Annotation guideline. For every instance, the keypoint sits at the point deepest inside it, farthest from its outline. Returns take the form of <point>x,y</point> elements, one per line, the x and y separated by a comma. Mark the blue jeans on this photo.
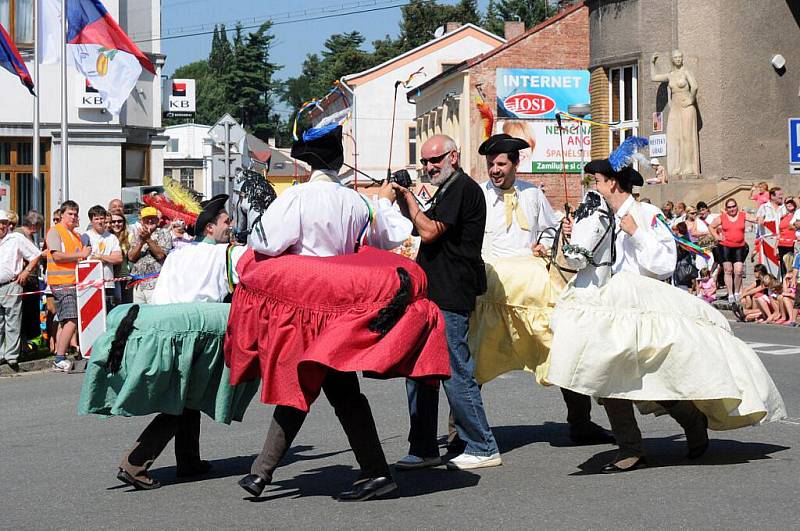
<point>462,393</point>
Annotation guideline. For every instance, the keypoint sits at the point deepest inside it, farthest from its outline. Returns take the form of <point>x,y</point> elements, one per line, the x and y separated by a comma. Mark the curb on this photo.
<point>26,367</point>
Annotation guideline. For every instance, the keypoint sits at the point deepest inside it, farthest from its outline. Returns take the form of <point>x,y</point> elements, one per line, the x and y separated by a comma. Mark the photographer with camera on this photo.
<point>451,231</point>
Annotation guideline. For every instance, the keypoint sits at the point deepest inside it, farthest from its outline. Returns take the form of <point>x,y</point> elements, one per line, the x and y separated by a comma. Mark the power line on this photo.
<point>282,22</point>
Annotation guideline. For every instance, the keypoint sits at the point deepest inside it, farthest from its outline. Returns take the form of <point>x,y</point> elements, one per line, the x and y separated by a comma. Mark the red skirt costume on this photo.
<point>293,317</point>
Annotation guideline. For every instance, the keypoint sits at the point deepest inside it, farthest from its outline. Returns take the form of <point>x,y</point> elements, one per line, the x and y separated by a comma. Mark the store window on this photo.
<point>135,166</point>
<point>187,177</point>
<point>18,190</point>
<point>623,102</point>
<point>412,146</point>
<point>174,145</point>
<point>16,16</point>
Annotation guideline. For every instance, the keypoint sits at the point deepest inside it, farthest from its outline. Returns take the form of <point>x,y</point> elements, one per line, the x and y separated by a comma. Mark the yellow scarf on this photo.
<point>512,205</point>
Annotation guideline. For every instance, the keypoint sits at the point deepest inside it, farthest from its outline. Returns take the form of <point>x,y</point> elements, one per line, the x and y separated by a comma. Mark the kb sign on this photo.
<point>178,97</point>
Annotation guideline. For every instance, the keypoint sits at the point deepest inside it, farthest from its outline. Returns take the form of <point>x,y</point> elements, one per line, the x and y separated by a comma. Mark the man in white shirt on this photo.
<point>324,218</point>
<point>648,251</point>
<point>14,249</point>
<point>517,214</point>
<point>200,272</point>
<point>105,248</point>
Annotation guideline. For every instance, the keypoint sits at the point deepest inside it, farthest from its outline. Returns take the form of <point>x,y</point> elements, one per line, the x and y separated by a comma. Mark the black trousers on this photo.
<point>185,428</point>
<point>626,430</point>
<point>352,409</point>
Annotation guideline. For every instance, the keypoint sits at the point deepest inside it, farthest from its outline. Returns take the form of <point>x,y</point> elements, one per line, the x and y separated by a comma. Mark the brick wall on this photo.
<point>561,44</point>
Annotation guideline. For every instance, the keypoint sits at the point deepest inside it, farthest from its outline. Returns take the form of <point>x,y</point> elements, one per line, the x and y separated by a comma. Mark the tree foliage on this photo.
<point>531,12</point>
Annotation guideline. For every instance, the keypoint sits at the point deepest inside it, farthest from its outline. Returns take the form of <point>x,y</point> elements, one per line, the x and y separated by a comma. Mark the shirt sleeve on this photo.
<point>655,249</point>
<point>27,248</point>
<point>235,255</point>
<point>390,228</point>
<point>113,244</point>
<point>279,227</point>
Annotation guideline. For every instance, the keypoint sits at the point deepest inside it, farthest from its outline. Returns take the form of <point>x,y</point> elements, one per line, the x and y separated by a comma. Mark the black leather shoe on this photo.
<point>136,483</point>
<point>589,434</point>
<point>697,439</point>
<point>254,484</point>
<point>366,489</point>
<point>612,468</point>
<point>197,469</point>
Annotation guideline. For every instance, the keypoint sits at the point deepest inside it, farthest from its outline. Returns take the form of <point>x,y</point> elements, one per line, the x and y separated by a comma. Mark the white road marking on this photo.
<point>774,349</point>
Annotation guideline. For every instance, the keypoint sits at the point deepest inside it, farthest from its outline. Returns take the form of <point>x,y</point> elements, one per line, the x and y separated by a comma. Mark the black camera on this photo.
<point>401,177</point>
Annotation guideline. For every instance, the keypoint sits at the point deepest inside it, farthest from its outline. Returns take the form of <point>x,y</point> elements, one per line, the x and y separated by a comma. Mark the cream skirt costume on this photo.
<point>640,339</point>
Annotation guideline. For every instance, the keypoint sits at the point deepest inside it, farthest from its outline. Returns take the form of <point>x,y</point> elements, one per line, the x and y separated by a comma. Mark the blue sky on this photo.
<point>293,40</point>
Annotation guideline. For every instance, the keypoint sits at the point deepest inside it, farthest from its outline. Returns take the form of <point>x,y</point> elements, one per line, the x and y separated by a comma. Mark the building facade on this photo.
<point>368,134</point>
<point>743,100</point>
<point>446,104</point>
<point>105,153</point>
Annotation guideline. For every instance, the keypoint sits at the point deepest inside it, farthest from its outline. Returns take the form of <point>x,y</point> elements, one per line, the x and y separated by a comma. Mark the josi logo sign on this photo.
<point>530,104</point>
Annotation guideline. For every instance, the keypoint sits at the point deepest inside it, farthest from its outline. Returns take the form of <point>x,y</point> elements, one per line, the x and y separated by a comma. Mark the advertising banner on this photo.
<point>543,137</point>
<point>525,93</point>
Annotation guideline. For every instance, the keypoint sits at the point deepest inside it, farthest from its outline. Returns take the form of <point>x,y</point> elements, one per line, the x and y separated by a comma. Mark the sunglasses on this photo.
<point>115,221</point>
<point>731,206</point>
<point>435,160</point>
<point>692,213</point>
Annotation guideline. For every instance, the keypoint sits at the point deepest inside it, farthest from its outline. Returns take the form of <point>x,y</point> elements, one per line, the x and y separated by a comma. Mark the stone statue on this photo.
<point>683,150</point>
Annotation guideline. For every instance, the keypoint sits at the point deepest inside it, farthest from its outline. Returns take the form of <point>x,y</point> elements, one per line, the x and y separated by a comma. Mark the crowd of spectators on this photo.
<point>30,266</point>
<point>774,222</point>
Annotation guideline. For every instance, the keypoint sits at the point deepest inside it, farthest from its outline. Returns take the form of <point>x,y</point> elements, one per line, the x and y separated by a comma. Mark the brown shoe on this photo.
<point>146,483</point>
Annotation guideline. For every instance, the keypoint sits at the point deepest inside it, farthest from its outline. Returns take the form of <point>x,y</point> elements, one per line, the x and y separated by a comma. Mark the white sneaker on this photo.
<point>467,461</point>
<point>62,366</point>
<point>412,462</point>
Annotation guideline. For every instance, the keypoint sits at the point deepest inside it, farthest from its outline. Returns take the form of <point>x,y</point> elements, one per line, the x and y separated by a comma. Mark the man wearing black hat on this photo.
<point>323,218</point>
<point>204,271</point>
<point>517,213</point>
<point>649,251</point>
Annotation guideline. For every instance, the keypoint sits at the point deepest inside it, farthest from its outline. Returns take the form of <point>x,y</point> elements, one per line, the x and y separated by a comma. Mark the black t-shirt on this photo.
<point>453,262</point>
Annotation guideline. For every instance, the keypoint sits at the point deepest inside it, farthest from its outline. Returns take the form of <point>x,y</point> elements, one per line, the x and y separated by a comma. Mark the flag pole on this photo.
<point>36,183</point>
<point>64,113</point>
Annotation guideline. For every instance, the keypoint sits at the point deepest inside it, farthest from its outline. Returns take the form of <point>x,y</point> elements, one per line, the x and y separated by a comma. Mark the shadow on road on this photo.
<point>239,465</point>
<point>669,451</point>
<point>512,437</point>
<point>330,480</point>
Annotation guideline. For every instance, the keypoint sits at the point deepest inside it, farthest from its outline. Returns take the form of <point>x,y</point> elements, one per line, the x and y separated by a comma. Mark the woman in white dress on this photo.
<point>631,338</point>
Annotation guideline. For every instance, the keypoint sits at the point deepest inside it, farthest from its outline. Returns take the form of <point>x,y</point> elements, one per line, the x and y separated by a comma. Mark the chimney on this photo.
<point>513,29</point>
<point>452,26</point>
<point>271,142</point>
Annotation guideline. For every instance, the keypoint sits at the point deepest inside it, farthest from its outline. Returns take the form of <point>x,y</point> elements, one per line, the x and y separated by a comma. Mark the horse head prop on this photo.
<point>591,247</point>
<point>254,194</point>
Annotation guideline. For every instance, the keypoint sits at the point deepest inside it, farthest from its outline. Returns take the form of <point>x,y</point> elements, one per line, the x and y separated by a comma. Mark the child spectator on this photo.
<point>759,193</point>
<point>749,294</point>
<point>789,293</point>
<point>707,286</point>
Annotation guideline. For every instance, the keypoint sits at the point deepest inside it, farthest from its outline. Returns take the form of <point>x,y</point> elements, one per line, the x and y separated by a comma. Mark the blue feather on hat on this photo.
<point>626,152</point>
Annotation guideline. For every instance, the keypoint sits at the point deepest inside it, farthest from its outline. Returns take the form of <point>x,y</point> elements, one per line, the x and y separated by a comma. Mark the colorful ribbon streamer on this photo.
<point>683,242</point>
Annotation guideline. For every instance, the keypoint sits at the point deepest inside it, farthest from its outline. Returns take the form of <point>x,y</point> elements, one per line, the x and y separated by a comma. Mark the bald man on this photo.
<point>451,230</point>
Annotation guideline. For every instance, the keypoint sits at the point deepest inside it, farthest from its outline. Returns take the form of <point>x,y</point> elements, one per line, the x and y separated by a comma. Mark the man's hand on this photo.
<point>566,227</point>
<point>398,190</point>
<point>387,191</point>
<point>84,253</point>
<point>539,250</point>
<point>22,278</point>
<point>144,234</point>
<point>628,224</point>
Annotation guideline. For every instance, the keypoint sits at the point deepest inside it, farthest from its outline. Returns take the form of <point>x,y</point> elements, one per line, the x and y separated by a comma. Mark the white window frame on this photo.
<point>633,122</point>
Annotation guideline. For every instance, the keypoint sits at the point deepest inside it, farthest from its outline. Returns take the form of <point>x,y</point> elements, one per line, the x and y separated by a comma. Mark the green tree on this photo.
<point>531,12</point>
<point>422,17</point>
<point>221,56</point>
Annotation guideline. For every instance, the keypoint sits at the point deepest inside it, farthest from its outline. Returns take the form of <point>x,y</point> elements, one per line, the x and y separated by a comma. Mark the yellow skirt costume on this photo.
<point>510,327</point>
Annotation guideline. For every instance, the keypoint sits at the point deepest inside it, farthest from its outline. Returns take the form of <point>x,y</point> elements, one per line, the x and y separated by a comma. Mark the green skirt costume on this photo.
<point>173,360</point>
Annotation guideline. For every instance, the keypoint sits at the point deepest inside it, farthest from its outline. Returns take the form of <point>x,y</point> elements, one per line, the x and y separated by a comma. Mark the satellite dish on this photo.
<point>439,32</point>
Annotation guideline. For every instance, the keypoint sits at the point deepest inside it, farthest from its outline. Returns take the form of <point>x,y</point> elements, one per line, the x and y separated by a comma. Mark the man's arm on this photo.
<point>429,230</point>
<point>158,252</point>
<point>391,228</point>
<point>655,249</point>
<point>60,257</point>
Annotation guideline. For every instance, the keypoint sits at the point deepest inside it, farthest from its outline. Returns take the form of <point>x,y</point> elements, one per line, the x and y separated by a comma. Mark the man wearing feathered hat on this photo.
<point>314,306</point>
<point>646,249</point>
<point>518,218</point>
